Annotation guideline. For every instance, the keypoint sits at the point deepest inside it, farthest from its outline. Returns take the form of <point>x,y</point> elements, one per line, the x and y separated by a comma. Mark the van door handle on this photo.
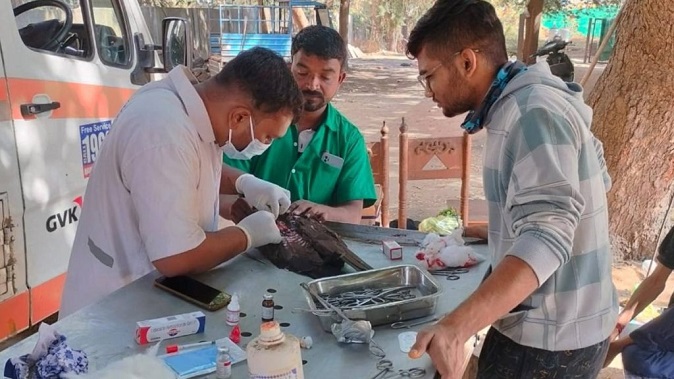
<point>32,109</point>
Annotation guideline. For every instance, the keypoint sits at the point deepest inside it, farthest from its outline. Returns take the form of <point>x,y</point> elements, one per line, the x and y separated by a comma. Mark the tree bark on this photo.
<point>344,19</point>
<point>634,117</point>
<point>532,26</point>
<point>344,22</point>
<point>264,17</point>
<point>300,19</point>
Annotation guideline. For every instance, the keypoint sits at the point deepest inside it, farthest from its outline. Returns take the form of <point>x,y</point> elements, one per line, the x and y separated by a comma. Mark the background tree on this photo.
<point>634,118</point>
<point>344,6</point>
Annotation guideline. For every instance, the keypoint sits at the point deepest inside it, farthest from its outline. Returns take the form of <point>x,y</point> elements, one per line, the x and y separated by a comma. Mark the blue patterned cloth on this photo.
<point>473,122</point>
<point>59,359</point>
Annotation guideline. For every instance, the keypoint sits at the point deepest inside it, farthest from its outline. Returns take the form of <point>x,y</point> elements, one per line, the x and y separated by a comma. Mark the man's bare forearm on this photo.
<point>645,294</point>
<point>228,179</point>
<point>226,202</point>
<point>350,212</point>
<point>218,247</point>
<point>508,285</point>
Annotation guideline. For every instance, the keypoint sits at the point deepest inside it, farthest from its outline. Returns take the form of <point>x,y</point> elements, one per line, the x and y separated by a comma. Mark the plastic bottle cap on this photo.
<point>234,303</point>
<point>270,332</point>
<point>267,296</point>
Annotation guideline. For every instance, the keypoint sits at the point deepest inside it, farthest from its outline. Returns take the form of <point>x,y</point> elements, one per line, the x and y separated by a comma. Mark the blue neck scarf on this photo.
<point>473,122</point>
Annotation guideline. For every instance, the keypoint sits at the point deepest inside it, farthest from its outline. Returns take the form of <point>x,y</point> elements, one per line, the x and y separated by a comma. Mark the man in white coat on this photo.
<point>152,198</point>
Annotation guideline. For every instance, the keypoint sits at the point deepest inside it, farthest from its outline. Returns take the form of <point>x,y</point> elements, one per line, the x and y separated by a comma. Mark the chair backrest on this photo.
<point>417,155</point>
<point>379,160</point>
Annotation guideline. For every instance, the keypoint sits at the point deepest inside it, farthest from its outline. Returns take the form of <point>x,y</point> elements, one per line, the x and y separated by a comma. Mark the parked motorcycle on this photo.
<point>560,63</point>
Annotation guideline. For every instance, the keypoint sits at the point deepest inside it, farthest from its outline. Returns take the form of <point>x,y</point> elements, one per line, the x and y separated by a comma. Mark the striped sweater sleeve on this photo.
<point>543,201</point>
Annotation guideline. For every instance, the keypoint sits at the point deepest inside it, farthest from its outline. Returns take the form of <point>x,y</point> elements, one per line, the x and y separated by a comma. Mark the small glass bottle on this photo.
<point>223,368</point>
<point>268,307</point>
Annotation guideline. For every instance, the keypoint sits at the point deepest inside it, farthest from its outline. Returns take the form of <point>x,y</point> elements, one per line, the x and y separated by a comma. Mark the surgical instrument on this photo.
<point>409,324</point>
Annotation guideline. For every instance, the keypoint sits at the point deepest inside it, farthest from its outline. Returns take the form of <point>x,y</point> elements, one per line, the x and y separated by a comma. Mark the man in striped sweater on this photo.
<point>550,299</point>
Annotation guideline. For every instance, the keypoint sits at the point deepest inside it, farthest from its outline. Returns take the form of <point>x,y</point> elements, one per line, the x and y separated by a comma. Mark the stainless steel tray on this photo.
<point>427,288</point>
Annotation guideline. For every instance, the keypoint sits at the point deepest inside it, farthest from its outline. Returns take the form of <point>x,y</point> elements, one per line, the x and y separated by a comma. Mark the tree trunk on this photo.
<point>344,22</point>
<point>344,19</point>
<point>532,26</point>
<point>633,116</point>
<point>300,19</point>
<point>264,17</point>
<point>392,31</point>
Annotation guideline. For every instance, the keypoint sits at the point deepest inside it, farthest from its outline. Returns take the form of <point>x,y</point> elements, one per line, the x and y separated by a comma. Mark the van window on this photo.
<point>58,27</point>
<point>110,33</point>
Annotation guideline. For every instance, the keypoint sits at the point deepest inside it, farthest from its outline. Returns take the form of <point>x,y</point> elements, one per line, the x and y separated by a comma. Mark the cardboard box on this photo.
<point>170,327</point>
<point>392,250</point>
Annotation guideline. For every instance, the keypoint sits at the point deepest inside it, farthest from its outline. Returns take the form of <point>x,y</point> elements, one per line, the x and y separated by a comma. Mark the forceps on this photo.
<point>385,366</point>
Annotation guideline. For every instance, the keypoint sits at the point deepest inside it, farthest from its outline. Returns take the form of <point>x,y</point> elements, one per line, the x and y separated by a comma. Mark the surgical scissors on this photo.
<point>385,366</point>
<point>450,273</point>
<point>409,324</point>
<point>360,298</point>
<point>414,372</point>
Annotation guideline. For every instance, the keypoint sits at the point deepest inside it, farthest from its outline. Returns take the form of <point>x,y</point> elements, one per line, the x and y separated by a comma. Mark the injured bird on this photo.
<point>308,247</point>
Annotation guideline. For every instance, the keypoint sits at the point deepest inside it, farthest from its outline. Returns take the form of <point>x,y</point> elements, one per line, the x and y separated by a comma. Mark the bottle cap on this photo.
<point>235,334</point>
<point>234,303</point>
<point>268,296</point>
<point>270,332</point>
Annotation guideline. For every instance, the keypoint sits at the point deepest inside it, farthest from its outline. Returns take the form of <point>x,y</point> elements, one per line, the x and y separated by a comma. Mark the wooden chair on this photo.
<point>415,155</point>
<point>379,160</point>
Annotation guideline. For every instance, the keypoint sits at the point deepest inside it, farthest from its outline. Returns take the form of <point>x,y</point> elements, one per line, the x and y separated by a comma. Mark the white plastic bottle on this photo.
<point>233,311</point>
<point>274,354</point>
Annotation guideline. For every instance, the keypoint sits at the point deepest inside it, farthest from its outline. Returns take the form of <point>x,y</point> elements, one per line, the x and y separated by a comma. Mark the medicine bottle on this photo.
<point>223,368</point>
<point>268,307</point>
<point>233,311</point>
<point>274,354</point>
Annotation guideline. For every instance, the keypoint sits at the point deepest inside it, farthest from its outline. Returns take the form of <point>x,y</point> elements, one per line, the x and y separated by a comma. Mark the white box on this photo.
<point>392,250</point>
<point>170,327</point>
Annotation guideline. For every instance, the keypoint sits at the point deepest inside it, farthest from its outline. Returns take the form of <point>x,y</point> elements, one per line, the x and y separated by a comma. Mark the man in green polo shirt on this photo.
<point>322,160</point>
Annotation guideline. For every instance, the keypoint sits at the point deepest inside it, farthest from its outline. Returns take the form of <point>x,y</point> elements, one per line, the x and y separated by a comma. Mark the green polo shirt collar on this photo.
<point>334,167</point>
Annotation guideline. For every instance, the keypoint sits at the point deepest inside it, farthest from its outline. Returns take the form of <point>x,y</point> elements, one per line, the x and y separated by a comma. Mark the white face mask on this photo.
<point>255,147</point>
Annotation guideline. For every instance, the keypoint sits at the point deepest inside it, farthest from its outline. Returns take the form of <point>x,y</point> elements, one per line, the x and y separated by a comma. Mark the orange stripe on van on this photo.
<point>5,112</point>
<point>45,298</point>
<point>77,100</point>
<point>14,314</point>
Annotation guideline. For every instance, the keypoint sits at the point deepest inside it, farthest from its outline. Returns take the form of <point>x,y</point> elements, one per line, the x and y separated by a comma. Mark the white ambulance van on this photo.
<point>66,68</point>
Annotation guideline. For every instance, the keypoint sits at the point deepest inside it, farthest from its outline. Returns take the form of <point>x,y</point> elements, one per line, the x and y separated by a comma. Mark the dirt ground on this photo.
<point>382,88</point>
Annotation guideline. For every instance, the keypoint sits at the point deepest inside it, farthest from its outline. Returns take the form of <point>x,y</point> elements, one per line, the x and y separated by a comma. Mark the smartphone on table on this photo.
<point>194,291</point>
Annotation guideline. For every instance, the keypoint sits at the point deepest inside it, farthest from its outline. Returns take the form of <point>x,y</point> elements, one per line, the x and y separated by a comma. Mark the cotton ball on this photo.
<point>430,237</point>
<point>306,342</point>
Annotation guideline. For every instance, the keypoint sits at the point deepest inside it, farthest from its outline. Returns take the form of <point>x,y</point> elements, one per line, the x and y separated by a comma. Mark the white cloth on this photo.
<point>152,194</point>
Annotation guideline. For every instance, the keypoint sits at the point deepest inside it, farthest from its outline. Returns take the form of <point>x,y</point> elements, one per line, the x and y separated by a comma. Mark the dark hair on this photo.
<point>452,25</point>
<point>265,76</point>
<point>321,41</point>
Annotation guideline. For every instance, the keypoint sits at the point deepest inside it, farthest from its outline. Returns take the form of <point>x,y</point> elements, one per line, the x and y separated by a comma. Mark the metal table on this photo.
<point>105,330</point>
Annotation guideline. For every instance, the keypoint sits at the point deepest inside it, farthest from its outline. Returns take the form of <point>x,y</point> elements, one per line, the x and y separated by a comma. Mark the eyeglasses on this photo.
<point>424,79</point>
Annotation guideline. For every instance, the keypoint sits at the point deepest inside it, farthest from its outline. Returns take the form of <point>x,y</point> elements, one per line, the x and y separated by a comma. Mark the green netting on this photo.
<point>578,20</point>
